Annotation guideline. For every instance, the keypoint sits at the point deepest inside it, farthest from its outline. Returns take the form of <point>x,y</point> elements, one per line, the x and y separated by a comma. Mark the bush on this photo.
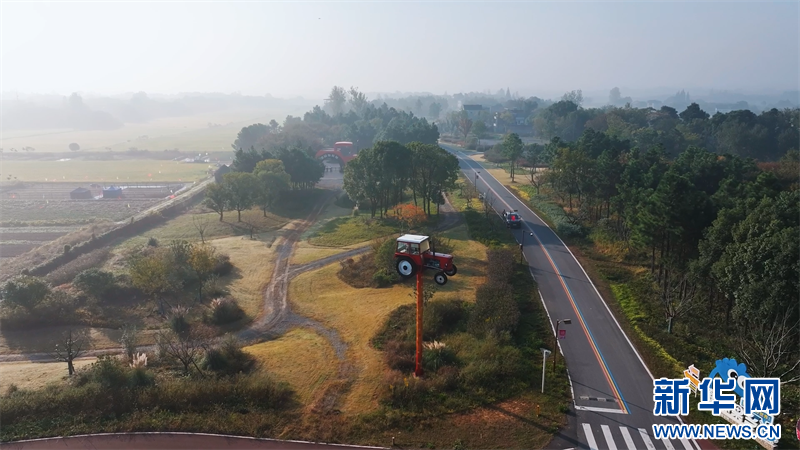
<point>225,310</point>
<point>152,242</point>
<point>229,358</point>
<point>382,278</point>
<point>94,282</point>
<point>213,287</point>
<point>67,272</point>
<point>25,291</point>
<point>441,318</point>
<point>344,201</point>
<point>223,265</point>
<point>570,230</point>
<point>494,368</point>
<point>496,312</point>
<point>67,248</point>
<point>495,155</point>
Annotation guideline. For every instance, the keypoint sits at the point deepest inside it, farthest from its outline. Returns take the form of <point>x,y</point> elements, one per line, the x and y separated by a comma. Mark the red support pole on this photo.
<point>418,368</point>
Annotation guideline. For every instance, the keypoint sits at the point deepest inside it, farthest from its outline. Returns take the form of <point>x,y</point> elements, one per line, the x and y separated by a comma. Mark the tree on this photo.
<point>464,124</point>
<point>242,189</point>
<point>532,154</point>
<point>94,282</point>
<point>153,276</point>
<point>187,346</point>
<point>249,136</point>
<point>614,97</point>
<point>410,216</point>
<point>272,181</point>
<point>25,291</point>
<point>479,130</point>
<point>71,346</point>
<point>304,171</point>
<point>74,147</point>
<point>128,340</point>
<point>358,100</point>
<point>434,110</point>
<point>512,149</point>
<point>217,199</point>
<point>693,112</point>
<point>202,260</point>
<point>770,349</point>
<point>337,99</point>
<point>200,223</point>
<point>575,97</point>
<point>245,161</point>
<point>677,296</point>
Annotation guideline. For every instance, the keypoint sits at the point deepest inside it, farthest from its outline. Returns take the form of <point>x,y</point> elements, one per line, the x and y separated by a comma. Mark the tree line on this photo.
<point>716,230</point>
<point>381,175</point>
<point>364,124</point>
<point>766,136</point>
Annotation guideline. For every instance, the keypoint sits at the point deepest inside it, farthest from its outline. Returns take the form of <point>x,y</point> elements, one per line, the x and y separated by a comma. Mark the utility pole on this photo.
<point>418,367</point>
<point>545,352</point>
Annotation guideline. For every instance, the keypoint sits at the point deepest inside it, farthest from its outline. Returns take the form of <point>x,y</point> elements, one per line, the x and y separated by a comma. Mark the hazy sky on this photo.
<point>295,48</point>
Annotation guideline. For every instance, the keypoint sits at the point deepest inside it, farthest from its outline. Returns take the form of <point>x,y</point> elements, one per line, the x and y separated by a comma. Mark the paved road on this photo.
<point>612,387</point>
<point>187,441</point>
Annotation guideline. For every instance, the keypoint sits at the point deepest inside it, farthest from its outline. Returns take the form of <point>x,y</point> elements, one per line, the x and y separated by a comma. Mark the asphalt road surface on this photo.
<point>171,441</point>
<point>612,387</point>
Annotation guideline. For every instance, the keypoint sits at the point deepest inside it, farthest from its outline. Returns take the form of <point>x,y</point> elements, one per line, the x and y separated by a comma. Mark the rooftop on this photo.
<point>413,238</point>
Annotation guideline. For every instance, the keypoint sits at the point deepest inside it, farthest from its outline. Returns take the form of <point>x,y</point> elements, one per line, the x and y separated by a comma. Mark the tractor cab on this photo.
<point>414,252</point>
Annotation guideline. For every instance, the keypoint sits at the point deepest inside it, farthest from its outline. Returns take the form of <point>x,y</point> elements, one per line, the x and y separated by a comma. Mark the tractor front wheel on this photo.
<point>406,267</point>
<point>440,278</point>
<point>453,270</point>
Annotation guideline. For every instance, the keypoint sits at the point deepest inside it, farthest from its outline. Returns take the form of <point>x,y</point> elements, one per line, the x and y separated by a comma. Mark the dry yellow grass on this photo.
<point>45,339</point>
<point>305,253</point>
<point>357,314</point>
<point>30,375</point>
<point>301,358</point>
<point>253,262</point>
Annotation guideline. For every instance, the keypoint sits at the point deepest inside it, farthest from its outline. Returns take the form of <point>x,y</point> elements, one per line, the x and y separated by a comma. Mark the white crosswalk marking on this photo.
<point>609,438</point>
<point>587,429</point>
<point>627,436</point>
<point>686,444</point>
<point>668,444</point>
<point>647,442</point>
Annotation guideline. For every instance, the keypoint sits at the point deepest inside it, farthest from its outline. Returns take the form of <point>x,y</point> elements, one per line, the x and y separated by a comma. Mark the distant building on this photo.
<point>223,169</point>
<point>112,192</point>
<point>81,194</point>
<point>473,111</point>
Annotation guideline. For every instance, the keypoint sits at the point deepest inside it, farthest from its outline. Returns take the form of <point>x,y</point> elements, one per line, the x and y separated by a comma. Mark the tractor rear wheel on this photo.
<point>406,267</point>
<point>440,278</point>
<point>453,270</point>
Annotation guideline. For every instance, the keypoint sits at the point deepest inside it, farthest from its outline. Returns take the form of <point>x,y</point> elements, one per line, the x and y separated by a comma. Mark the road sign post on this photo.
<point>545,352</point>
<point>555,346</point>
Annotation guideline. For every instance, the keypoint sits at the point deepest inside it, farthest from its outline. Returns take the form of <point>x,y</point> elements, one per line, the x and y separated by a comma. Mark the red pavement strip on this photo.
<point>152,441</point>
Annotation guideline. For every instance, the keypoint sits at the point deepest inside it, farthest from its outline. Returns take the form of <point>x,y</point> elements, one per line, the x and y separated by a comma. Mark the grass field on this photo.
<point>301,358</point>
<point>188,133</point>
<point>253,262</point>
<point>120,171</point>
<point>350,230</point>
<point>356,314</point>
<point>66,211</point>
<point>305,253</point>
<point>29,375</point>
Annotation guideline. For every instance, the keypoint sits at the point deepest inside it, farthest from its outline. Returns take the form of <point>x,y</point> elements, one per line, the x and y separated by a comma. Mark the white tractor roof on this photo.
<point>412,238</point>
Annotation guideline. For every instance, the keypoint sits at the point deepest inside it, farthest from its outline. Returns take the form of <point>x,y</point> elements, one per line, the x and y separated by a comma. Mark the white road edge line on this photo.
<point>582,269</point>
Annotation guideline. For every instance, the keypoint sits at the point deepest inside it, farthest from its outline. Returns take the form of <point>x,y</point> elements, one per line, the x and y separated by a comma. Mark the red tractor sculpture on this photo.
<point>414,252</point>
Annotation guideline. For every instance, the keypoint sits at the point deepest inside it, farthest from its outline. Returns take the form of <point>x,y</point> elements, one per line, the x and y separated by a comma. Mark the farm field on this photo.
<point>188,133</point>
<point>31,375</point>
<point>106,172</point>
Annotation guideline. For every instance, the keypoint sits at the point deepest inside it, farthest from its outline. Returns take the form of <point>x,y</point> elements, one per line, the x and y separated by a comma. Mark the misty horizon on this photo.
<point>285,50</point>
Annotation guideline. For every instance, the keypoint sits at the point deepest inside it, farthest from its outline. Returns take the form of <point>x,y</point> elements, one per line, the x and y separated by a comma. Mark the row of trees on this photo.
<point>766,136</point>
<point>381,175</point>
<point>715,228</point>
<point>363,124</point>
<point>240,191</point>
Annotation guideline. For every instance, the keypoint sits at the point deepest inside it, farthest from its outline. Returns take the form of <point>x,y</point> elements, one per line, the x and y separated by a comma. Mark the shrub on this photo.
<point>495,155</point>
<point>67,272</point>
<point>494,367</point>
<point>223,265</point>
<point>67,248</point>
<point>225,310</point>
<point>407,392</point>
<point>441,318</point>
<point>344,201</point>
<point>152,242</point>
<point>382,278</point>
<point>94,282</point>
<point>570,230</point>
<point>213,287</point>
<point>400,355</point>
<point>25,291</point>
<point>501,262</point>
<point>495,312</point>
<point>229,358</point>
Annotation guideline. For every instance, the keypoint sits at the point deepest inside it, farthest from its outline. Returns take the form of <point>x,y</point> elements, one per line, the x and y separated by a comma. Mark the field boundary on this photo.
<point>137,225</point>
